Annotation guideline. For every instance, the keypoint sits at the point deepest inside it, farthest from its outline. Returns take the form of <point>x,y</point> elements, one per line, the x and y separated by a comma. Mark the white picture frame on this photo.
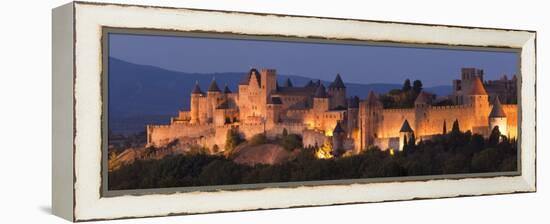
<point>77,110</point>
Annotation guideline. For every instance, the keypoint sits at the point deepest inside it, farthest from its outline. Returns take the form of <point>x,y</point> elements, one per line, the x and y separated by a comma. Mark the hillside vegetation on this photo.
<point>452,153</point>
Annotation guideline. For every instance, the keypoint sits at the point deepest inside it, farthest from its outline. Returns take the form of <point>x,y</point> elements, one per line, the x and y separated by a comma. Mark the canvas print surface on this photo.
<point>194,111</point>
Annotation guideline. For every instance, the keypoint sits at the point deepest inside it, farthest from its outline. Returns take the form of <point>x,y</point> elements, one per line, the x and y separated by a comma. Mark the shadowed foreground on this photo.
<point>453,153</point>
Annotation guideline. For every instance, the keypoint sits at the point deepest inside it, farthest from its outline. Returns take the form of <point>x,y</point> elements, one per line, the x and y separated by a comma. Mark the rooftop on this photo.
<point>406,127</point>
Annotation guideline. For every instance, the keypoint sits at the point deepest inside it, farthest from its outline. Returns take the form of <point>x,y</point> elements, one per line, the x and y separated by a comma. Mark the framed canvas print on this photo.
<point>162,111</point>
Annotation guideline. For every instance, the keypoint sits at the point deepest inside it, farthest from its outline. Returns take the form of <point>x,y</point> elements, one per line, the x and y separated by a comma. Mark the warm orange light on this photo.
<point>321,154</point>
<point>324,152</point>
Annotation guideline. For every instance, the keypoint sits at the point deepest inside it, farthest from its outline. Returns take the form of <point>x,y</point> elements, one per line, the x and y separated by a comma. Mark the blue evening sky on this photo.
<point>356,63</point>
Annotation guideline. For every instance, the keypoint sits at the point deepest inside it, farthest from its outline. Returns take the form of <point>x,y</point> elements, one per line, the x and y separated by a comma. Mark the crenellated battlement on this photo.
<point>398,110</point>
<point>451,107</point>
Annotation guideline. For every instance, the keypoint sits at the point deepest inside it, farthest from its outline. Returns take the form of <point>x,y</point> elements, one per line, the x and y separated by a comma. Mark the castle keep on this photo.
<point>325,113</point>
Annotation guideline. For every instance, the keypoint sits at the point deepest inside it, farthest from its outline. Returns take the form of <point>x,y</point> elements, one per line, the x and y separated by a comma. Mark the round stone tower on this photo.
<point>338,136</point>
<point>320,99</point>
<point>405,135</point>
<point>213,96</point>
<point>337,93</point>
<point>479,100</point>
<point>497,118</point>
<point>196,94</point>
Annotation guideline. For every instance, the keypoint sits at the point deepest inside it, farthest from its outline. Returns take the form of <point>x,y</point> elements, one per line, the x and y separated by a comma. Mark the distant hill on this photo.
<point>141,94</point>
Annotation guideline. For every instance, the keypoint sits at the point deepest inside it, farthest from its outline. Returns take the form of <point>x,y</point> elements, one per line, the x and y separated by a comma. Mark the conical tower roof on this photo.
<point>226,89</point>
<point>288,83</point>
<point>477,87</point>
<point>252,73</point>
<point>320,92</point>
<point>213,86</point>
<point>406,127</point>
<point>197,89</point>
<point>337,83</point>
<point>338,129</point>
<point>497,110</point>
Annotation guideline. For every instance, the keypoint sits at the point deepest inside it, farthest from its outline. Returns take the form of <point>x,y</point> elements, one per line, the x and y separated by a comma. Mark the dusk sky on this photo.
<point>356,63</point>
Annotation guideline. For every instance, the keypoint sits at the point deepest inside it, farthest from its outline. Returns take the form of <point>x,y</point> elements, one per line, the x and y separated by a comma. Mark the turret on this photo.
<point>268,81</point>
<point>213,98</point>
<point>195,98</point>
<point>320,99</point>
<point>337,93</point>
<point>338,136</point>
<point>479,100</point>
<point>497,117</point>
<point>477,92</point>
<point>405,135</point>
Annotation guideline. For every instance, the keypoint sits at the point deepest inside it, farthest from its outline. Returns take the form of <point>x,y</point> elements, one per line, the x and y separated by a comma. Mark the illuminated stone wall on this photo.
<point>511,111</point>
<point>158,135</point>
<point>392,120</point>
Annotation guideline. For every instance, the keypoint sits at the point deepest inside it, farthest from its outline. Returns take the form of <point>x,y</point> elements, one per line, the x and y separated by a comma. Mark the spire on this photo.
<point>197,89</point>
<point>338,129</point>
<point>226,89</point>
<point>309,84</point>
<point>288,83</point>
<point>338,83</point>
<point>213,86</point>
<point>477,87</point>
<point>321,93</point>
<point>497,110</point>
<point>406,127</point>
<point>252,73</point>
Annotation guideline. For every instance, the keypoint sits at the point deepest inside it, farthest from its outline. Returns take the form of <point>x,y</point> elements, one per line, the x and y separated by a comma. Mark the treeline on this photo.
<point>404,97</point>
<point>452,153</point>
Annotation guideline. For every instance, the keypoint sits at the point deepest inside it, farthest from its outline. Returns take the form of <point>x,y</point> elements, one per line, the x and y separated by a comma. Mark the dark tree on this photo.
<point>412,141</point>
<point>406,85</point>
<point>215,148</point>
<point>456,127</point>
<point>291,141</point>
<point>258,139</point>
<point>417,86</point>
<point>285,132</point>
<point>232,139</point>
<point>494,138</point>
